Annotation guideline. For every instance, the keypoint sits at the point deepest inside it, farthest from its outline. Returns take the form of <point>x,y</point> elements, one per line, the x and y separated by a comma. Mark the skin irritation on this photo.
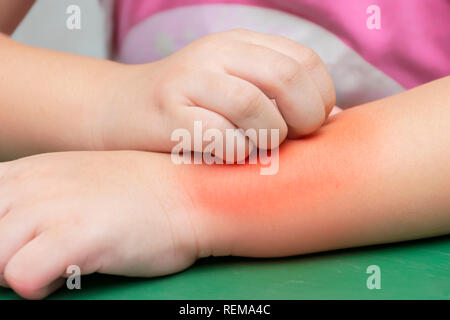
<point>315,174</point>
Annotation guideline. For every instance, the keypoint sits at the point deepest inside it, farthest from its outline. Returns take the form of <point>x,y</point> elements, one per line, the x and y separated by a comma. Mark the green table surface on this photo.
<point>409,270</point>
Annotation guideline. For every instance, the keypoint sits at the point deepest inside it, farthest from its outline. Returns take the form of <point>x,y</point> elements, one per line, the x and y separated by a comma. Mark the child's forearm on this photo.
<point>49,100</point>
<point>374,174</point>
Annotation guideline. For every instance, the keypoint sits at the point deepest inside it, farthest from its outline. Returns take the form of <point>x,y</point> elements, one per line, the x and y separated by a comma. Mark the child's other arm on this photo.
<point>54,101</point>
<point>50,101</point>
<point>376,173</point>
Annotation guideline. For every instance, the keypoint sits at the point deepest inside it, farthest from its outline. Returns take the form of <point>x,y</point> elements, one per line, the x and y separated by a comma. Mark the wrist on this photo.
<point>127,102</point>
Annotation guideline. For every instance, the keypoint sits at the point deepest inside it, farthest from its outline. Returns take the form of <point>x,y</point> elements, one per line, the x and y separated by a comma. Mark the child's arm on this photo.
<point>376,173</point>
<point>50,101</point>
<point>54,101</point>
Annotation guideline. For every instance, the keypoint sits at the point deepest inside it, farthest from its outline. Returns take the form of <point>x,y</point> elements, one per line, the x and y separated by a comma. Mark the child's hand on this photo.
<point>109,212</point>
<point>227,80</point>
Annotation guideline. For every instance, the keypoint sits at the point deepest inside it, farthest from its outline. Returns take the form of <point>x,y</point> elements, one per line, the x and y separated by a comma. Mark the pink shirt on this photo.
<point>412,45</point>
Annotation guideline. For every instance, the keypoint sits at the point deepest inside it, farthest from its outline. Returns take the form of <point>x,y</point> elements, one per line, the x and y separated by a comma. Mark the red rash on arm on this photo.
<point>313,172</point>
<point>359,180</point>
<point>240,190</point>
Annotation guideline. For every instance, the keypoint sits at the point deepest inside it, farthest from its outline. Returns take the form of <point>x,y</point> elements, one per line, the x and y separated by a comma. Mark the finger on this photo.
<point>15,232</point>
<point>281,78</point>
<point>210,132</point>
<point>304,55</point>
<point>36,269</point>
<point>241,102</point>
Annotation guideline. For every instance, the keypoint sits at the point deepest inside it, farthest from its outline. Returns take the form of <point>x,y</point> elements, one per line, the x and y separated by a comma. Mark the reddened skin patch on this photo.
<point>306,200</point>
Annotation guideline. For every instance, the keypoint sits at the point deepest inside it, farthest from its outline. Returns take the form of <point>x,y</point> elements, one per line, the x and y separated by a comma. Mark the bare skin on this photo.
<point>54,101</point>
<point>373,174</point>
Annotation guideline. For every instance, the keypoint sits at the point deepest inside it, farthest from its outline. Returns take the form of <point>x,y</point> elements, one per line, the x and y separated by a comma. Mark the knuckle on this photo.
<point>309,58</point>
<point>238,32</point>
<point>206,43</point>
<point>288,71</point>
<point>213,41</point>
<point>248,104</point>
